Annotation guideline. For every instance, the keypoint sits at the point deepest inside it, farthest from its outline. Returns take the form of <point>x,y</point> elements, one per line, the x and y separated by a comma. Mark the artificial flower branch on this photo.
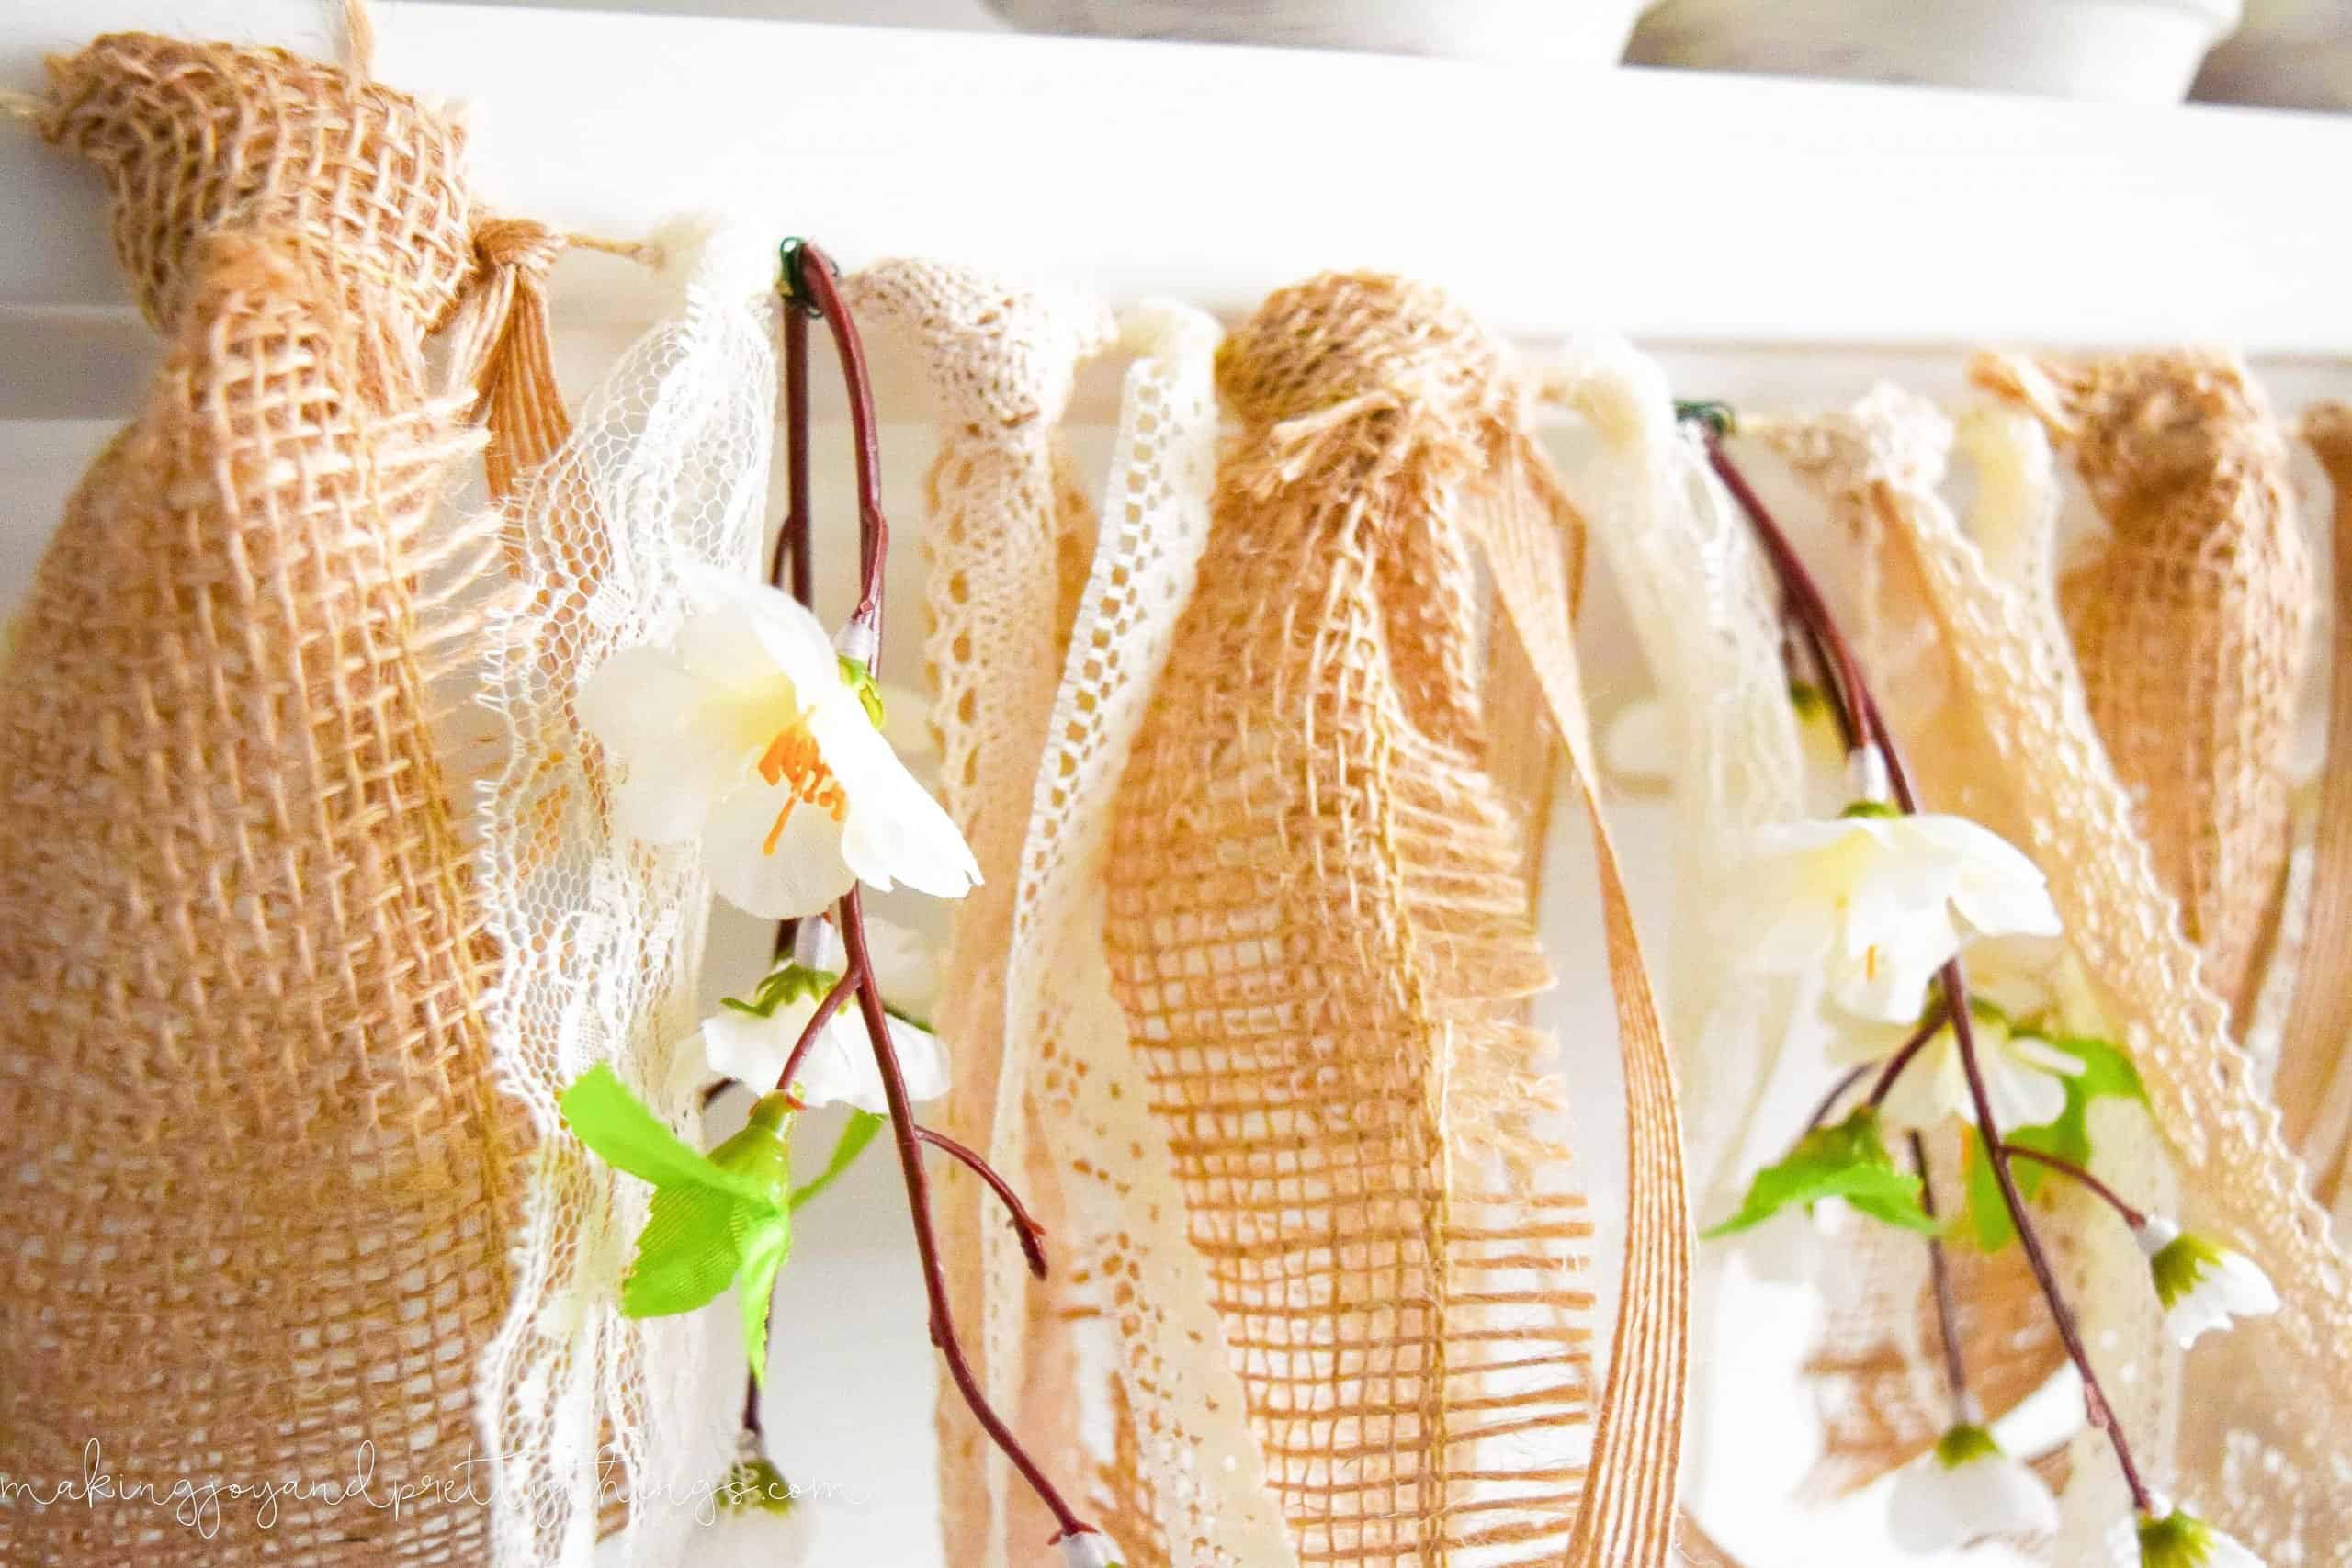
<point>835,994</point>
<point>807,285</point>
<point>1930,1027</point>
<point>2135,1217</point>
<point>2099,1413</point>
<point>1032,1234</point>
<point>1947,1309</point>
<point>1863,722</point>
<point>934,1278</point>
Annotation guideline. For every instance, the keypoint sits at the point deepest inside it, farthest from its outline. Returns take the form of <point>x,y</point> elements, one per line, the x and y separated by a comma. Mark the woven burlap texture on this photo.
<point>2190,622</point>
<point>1007,518</point>
<point>1318,928</point>
<point>2252,1429</point>
<point>256,1213</point>
<point>1184,1479</point>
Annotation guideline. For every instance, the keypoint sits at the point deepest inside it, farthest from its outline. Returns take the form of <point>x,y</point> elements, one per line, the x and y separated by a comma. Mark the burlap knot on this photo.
<point>1324,344</point>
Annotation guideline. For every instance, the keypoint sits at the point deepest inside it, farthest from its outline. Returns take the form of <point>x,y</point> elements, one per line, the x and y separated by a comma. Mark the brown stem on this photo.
<point>830,1005</point>
<point>2133,1215</point>
<point>792,540</point>
<point>1806,596</point>
<point>934,1278</point>
<point>1024,1225</point>
<point>816,278</point>
<point>791,552</point>
<point>1928,1029</point>
<point>1939,1269</point>
<point>2101,1415</point>
<point>1837,1093</point>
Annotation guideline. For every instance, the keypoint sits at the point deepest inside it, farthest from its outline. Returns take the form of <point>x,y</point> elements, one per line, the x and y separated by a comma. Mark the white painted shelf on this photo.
<point>1684,207</point>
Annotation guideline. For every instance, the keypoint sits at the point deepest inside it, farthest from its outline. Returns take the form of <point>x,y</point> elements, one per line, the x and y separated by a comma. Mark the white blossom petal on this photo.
<point>743,713</point>
<point>752,1049</point>
<point>906,965</point>
<point>803,872</point>
<point>1089,1549</point>
<point>750,1537</point>
<point>1937,1505</point>
<point>2018,1078</point>
<point>895,832</point>
<point>1882,902</point>
<point>644,707</point>
<point>2202,1286</point>
<point>839,1067</point>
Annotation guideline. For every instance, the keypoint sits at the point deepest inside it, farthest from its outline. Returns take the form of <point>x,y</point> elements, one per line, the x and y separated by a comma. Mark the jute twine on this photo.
<point>1318,928</point>
<point>255,1162</point>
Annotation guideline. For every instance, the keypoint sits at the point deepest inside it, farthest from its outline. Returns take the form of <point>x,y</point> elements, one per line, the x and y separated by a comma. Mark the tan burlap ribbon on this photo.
<point>1318,928</point>
<point>2190,623</point>
<point>257,1168</point>
<point>2313,1086</point>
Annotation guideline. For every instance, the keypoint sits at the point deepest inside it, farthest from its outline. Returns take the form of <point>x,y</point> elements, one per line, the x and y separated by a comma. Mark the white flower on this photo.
<point>1878,904</point>
<point>2039,982</point>
<point>758,1521</point>
<point>2200,1284</point>
<point>741,732</point>
<point>2174,1538</point>
<point>2022,1072</point>
<point>1089,1549</point>
<point>751,1538</point>
<point>742,1043</point>
<point>1966,1489</point>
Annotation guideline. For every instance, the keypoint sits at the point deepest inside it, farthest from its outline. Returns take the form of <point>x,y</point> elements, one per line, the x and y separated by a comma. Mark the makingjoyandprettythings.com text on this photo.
<point>200,1503</point>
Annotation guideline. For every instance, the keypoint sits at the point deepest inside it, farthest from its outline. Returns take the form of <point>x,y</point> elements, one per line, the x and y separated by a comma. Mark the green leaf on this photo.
<point>1848,1161</point>
<point>856,1134</point>
<point>689,1251</point>
<point>614,1123</point>
<point>789,982</point>
<point>2107,1073</point>
<point>769,1243</point>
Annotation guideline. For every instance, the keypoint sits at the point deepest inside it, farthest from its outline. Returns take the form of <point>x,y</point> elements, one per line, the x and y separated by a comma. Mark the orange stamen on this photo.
<point>792,759</point>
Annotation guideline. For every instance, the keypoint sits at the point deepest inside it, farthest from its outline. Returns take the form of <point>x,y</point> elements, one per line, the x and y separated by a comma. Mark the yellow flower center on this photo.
<point>792,760</point>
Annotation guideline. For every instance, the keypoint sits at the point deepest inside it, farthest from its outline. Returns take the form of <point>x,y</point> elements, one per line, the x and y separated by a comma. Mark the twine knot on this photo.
<point>530,248</point>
